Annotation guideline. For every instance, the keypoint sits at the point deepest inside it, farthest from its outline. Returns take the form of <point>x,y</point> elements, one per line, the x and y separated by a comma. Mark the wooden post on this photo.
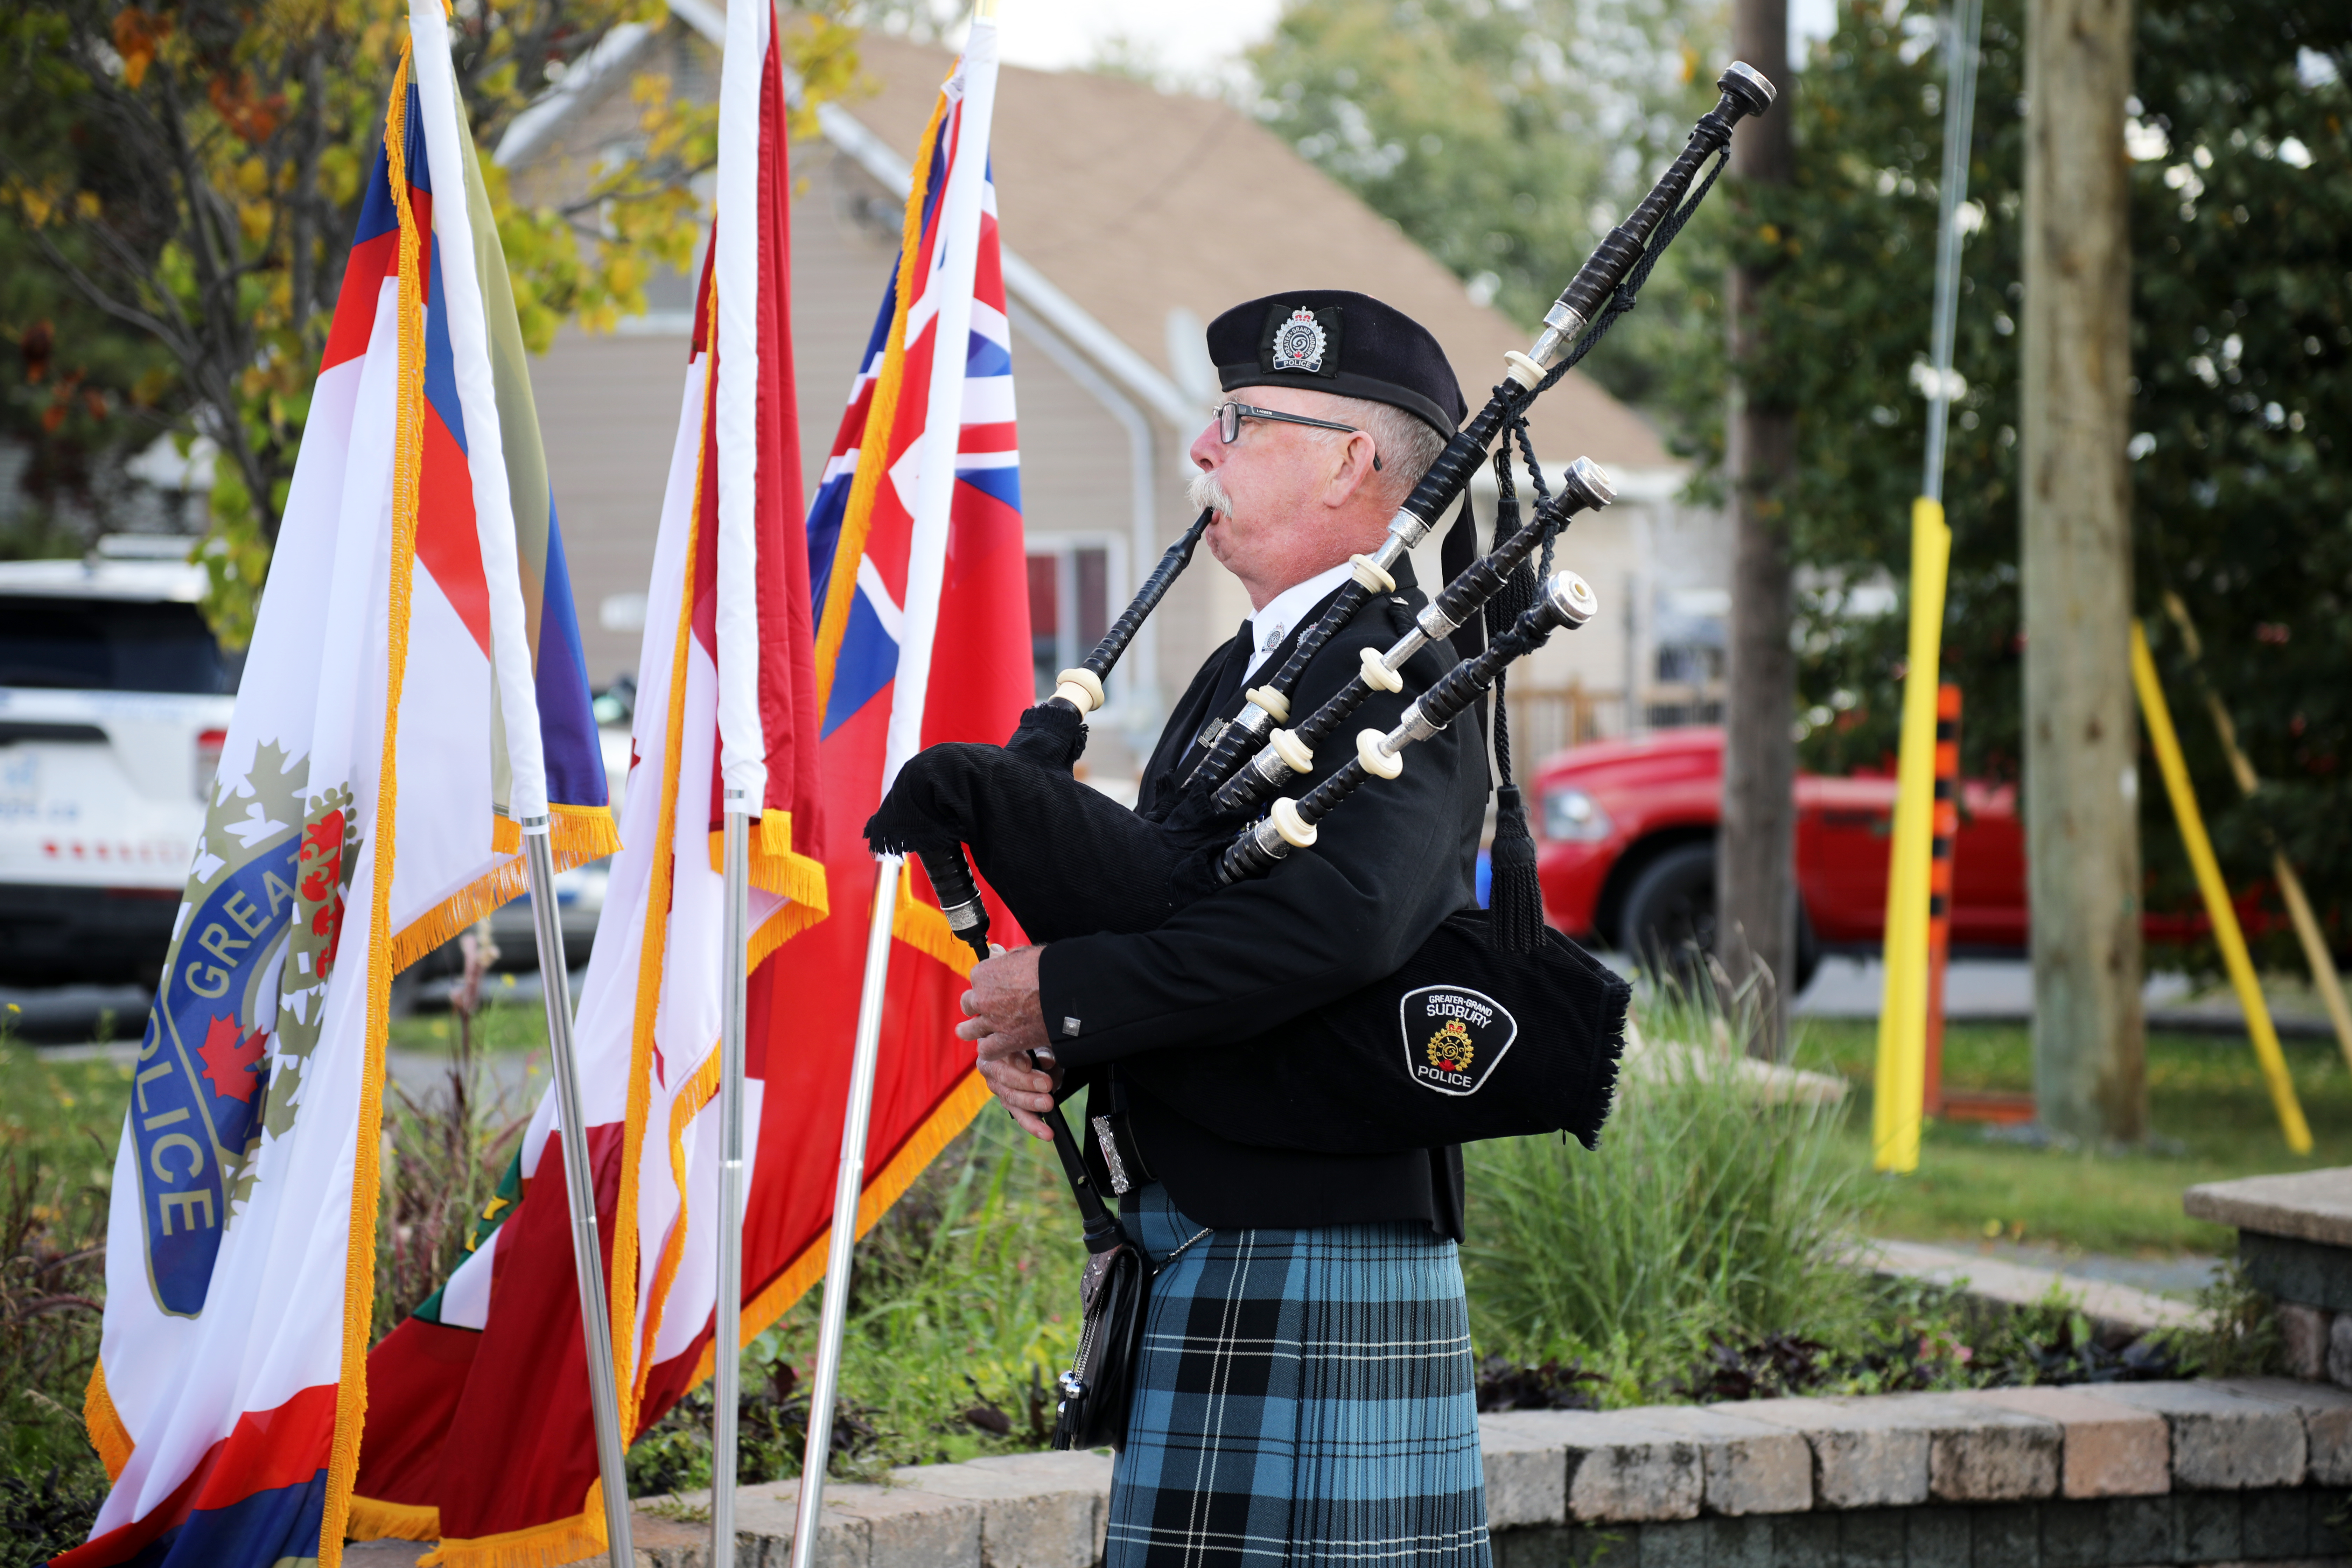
<point>2082,750</point>
<point>1756,885</point>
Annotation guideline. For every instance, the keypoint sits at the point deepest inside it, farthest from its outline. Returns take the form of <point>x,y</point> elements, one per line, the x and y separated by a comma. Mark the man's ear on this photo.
<point>1357,462</point>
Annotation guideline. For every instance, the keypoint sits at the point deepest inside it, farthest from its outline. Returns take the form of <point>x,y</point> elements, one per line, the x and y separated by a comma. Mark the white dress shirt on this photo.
<point>1286,610</point>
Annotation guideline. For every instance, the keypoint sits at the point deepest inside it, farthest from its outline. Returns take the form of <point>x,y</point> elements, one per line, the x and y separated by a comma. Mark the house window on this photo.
<point>1069,605</point>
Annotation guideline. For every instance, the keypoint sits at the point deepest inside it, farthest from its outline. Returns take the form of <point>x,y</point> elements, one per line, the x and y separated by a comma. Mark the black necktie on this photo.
<point>1223,695</point>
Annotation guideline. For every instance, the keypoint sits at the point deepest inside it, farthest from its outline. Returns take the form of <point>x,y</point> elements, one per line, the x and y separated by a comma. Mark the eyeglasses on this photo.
<point>1231,415</point>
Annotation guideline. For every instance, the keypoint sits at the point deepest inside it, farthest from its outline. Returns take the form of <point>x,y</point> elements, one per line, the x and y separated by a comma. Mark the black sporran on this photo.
<point>1112,1295</point>
<point>1097,1389</point>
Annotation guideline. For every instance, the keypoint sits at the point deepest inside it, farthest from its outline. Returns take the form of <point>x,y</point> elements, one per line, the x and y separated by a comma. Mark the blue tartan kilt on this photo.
<point>1305,1396</point>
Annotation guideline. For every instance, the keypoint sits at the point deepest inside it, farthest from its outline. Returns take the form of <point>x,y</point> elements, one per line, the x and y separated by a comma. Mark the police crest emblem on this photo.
<point>1453,1037</point>
<point>1299,342</point>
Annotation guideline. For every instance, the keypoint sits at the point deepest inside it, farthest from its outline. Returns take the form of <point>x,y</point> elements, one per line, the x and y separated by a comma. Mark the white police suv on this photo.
<point>114,700</point>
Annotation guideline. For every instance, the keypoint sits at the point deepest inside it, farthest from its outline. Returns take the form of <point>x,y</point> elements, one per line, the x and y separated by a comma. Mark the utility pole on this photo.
<point>1756,881</point>
<point>2082,737</point>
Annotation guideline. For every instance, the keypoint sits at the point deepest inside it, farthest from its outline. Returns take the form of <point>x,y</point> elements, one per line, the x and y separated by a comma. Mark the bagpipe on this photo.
<point>1498,1026</point>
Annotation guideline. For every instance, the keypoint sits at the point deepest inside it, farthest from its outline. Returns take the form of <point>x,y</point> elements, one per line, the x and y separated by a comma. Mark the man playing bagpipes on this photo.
<point>1271,978</point>
<point>1307,1371</point>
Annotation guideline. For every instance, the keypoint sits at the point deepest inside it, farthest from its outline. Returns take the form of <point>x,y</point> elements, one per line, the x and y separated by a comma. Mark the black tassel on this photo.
<point>1515,898</point>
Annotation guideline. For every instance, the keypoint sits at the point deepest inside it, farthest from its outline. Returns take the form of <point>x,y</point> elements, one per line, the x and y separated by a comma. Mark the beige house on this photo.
<point>1129,218</point>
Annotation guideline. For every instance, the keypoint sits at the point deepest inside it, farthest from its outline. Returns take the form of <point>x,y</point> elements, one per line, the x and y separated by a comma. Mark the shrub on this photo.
<point>1711,1214</point>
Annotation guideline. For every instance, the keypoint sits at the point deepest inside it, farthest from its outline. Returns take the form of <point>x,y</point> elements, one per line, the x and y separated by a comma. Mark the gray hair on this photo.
<point>1405,443</point>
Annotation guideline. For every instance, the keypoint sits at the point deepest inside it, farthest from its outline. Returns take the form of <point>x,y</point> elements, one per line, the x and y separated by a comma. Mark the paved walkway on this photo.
<point>2087,1280</point>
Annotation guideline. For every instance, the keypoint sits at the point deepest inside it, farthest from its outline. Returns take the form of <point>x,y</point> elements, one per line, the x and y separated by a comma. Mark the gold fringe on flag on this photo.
<point>550,1545</point>
<point>479,900</point>
<point>359,1263</point>
<point>579,834</point>
<point>107,1435</point>
<point>373,1519</point>
<point>651,966</point>
<point>776,867</point>
<point>576,835</point>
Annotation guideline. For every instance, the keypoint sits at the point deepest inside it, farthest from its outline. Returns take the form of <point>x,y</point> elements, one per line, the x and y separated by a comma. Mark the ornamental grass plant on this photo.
<point>1714,1211</point>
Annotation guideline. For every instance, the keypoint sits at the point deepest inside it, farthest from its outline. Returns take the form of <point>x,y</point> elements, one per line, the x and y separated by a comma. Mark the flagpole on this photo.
<point>728,1330</point>
<point>959,238</point>
<point>580,1186</point>
<point>848,1188</point>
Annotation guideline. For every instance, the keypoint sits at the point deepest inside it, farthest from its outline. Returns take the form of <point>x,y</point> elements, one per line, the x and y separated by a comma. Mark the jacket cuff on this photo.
<point>1064,1027</point>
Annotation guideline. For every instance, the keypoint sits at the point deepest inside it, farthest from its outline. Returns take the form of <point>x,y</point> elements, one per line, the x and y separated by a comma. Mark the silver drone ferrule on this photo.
<point>1413,726</point>
<point>1570,599</point>
<point>1270,840</point>
<point>963,917</point>
<point>1563,324</point>
<point>1595,479</point>
<point>1405,531</point>
<point>1755,79</point>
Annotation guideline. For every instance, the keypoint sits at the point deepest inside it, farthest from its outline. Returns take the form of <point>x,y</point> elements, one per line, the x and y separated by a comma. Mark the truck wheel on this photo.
<point>1669,921</point>
<point>1669,918</point>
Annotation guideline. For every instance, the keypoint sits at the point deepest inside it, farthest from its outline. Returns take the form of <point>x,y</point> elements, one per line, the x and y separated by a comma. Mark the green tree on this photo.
<point>2242,321</point>
<point>1504,138</point>
<point>191,175</point>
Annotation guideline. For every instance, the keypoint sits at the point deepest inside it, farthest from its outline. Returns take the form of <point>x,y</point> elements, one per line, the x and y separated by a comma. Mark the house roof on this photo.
<point>1136,201</point>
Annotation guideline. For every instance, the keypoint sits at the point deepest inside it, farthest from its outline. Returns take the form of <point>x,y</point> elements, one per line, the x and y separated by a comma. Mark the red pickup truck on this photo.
<point>1625,850</point>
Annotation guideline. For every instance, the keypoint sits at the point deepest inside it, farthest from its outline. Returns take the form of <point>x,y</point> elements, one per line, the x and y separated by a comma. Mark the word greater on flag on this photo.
<point>413,691</point>
<point>481,1434</point>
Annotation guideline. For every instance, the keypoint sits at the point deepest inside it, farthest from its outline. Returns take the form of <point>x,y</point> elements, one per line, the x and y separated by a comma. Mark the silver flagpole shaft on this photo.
<point>846,1191</point>
<point>587,1251</point>
<point>728,1332</point>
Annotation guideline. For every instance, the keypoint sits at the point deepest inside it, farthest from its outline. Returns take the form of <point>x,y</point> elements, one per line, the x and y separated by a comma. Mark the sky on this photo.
<point>1201,39</point>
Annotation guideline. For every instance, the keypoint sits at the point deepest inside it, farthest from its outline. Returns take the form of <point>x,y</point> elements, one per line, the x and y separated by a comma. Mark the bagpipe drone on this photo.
<point>1498,1026</point>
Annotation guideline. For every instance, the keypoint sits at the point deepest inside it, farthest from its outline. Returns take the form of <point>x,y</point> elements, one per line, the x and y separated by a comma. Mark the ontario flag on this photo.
<point>918,563</point>
<point>385,757</point>
<point>480,1436</point>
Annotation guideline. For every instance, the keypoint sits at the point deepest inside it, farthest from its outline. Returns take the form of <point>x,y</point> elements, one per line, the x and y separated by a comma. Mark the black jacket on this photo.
<point>1388,866</point>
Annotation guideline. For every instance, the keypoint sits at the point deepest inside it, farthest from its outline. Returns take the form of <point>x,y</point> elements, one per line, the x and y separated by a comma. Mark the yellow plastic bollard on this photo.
<point>1902,1081</point>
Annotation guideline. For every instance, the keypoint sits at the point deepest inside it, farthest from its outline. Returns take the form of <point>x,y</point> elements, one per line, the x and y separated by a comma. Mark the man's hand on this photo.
<point>1002,1013</point>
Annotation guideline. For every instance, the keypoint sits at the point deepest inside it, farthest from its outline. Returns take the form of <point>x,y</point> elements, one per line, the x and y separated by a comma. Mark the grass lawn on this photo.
<point>58,1125</point>
<point>507,1022</point>
<point>2211,1114</point>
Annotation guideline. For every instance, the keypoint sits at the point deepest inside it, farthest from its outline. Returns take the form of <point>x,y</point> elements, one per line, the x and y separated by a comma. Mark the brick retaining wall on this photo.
<point>2109,1475</point>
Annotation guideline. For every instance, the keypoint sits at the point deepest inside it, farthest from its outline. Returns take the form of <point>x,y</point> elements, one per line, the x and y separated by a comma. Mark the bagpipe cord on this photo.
<point>1514,895</point>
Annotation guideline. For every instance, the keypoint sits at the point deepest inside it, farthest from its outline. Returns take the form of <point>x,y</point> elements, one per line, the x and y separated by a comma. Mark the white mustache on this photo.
<point>1205,493</point>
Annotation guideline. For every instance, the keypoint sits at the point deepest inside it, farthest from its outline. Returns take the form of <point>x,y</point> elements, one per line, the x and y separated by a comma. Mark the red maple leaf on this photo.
<point>233,1063</point>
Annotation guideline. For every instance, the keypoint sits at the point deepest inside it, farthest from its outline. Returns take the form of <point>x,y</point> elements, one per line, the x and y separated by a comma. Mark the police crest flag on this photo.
<point>414,695</point>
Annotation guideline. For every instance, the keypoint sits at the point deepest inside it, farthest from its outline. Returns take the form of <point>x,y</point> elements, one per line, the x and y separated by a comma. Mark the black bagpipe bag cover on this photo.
<point>1464,1043</point>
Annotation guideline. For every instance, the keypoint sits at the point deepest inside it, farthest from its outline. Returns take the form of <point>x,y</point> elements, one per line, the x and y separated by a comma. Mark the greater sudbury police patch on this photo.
<point>1453,1037</point>
<point>1298,342</point>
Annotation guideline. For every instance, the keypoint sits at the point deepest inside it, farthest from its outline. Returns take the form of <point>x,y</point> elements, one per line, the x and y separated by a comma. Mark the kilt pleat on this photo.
<point>1305,1397</point>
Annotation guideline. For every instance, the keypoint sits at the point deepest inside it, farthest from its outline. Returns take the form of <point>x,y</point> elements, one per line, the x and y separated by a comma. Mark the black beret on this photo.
<point>1329,340</point>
